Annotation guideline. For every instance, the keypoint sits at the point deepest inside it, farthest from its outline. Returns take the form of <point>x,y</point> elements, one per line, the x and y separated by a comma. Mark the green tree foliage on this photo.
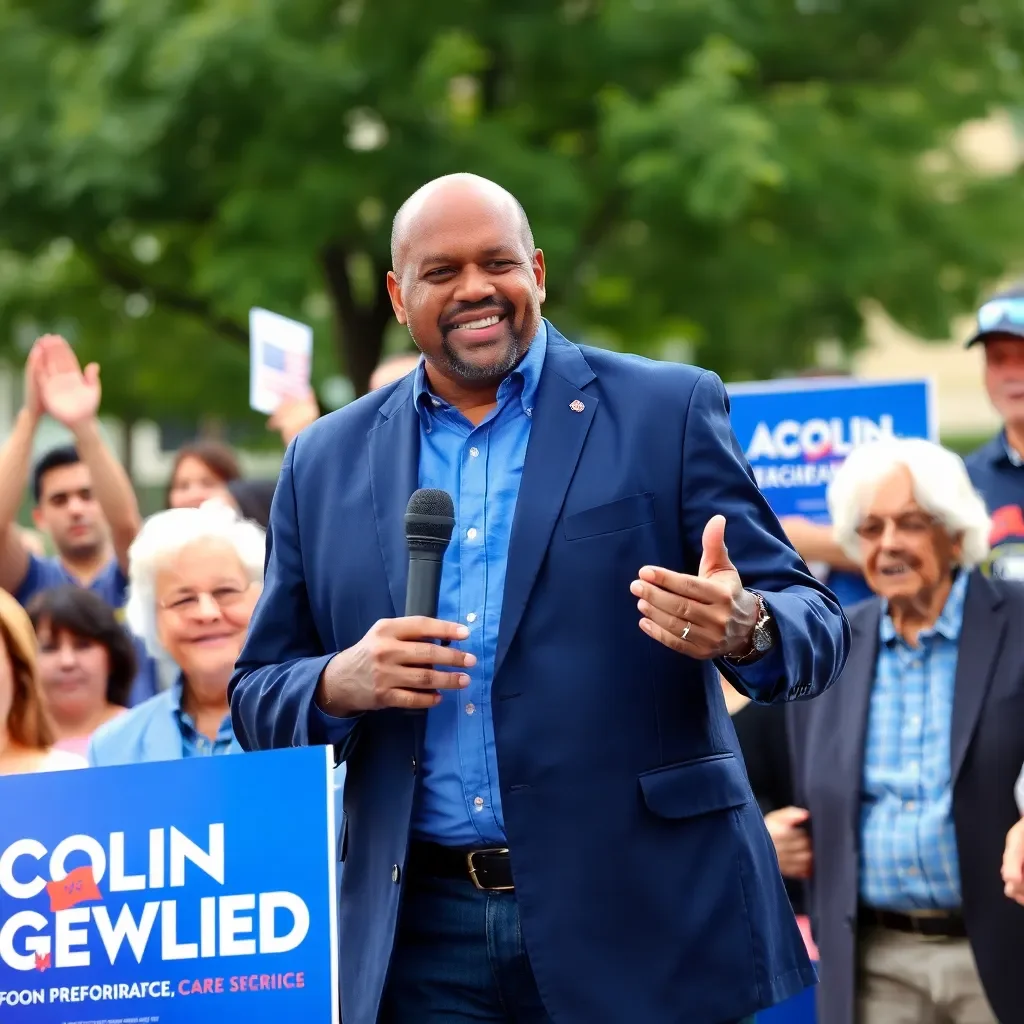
<point>737,175</point>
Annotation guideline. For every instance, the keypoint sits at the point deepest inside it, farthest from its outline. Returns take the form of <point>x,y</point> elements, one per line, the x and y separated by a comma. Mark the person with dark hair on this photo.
<point>87,662</point>
<point>201,470</point>
<point>252,499</point>
<point>83,498</point>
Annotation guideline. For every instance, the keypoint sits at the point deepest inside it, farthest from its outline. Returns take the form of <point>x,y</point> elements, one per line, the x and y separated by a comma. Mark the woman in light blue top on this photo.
<point>194,577</point>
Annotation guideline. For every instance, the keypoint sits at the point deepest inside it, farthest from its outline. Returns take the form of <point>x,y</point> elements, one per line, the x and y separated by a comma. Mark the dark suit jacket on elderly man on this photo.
<point>647,883</point>
<point>986,752</point>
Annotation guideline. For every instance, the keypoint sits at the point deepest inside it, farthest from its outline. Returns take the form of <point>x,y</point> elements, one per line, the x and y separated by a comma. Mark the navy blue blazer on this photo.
<point>647,883</point>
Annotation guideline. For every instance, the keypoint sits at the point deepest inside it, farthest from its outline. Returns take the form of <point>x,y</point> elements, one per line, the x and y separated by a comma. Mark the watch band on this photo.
<point>763,623</point>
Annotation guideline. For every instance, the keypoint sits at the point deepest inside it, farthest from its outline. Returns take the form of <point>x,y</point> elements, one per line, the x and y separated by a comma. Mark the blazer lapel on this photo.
<point>981,640</point>
<point>394,474</point>
<point>851,719</point>
<point>561,420</point>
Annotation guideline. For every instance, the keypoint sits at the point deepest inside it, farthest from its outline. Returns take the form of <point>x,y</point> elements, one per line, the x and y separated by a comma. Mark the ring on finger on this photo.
<point>685,633</point>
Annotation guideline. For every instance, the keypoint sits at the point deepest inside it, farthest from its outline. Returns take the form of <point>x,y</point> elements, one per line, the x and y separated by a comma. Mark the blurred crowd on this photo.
<point>890,800</point>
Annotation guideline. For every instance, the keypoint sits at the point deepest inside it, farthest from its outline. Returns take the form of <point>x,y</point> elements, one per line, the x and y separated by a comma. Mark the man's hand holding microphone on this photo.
<point>405,662</point>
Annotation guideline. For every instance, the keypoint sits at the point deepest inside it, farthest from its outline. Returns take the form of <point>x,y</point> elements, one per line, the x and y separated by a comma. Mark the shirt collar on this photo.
<point>526,377</point>
<point>181,716</point>
<point>947,624</point>
<point>999,451</point>
<point>1009,452</point>
<point>177,692</point>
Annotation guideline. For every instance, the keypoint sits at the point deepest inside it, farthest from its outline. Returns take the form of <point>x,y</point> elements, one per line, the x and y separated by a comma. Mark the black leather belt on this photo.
<point>930,924</point>
<point>490,870</point>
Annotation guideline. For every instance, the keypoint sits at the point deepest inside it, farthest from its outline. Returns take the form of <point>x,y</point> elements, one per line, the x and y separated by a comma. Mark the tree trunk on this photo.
<point>359,328</point>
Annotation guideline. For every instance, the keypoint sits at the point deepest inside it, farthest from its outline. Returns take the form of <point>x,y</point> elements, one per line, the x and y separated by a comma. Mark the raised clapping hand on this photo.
<point>395,665</point>
<point>712,608</point>
<point>70,396</point>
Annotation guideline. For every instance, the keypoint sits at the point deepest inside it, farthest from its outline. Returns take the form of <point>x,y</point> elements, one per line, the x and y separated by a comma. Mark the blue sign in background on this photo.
<point>795,433</point>
<point>277,810</point>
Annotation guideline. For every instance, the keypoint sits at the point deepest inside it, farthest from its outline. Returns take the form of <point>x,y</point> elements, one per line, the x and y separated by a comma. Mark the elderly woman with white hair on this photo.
<point>907,765</point>
<point>194,577</point>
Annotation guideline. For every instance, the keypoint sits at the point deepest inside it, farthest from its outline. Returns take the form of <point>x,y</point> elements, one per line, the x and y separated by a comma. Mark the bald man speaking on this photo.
<point>546,815</point>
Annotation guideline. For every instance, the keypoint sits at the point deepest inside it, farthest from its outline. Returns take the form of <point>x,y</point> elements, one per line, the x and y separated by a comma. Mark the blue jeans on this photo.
<point>459,956</point>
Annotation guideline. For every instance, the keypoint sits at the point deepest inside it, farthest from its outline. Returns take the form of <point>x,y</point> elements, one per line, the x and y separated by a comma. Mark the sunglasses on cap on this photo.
<point>1008,311</point>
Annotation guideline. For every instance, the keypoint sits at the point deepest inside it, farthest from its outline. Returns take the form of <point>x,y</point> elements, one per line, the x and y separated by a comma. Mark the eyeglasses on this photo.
<point>1001,311</point>
<point>910,524</point>
<point>223,597</point>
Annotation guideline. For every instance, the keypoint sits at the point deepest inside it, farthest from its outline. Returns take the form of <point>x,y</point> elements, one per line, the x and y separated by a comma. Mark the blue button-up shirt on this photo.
<point>458,802</point>
<point>193,742</point>
<point>908,854</point>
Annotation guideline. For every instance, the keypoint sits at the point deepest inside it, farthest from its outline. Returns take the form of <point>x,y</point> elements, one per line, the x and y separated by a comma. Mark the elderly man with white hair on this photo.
<point>907,766</point>
<point>194,577</point>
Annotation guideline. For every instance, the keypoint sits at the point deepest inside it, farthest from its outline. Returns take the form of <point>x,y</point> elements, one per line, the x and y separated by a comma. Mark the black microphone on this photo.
<point>429,521</point>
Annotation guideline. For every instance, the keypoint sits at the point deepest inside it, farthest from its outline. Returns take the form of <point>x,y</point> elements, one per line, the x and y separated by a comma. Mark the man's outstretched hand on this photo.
<point>712,608</point>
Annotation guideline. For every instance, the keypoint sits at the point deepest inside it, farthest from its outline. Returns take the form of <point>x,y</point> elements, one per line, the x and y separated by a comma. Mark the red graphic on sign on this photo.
<point>78,887</point>
<point>42,962</point>
<point>1007,521</point>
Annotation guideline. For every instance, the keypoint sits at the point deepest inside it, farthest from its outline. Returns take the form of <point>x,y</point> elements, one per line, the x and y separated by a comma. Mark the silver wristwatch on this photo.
<point>763,638</point>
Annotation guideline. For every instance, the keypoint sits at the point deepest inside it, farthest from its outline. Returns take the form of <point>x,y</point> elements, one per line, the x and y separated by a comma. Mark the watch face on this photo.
<point>762,639</point>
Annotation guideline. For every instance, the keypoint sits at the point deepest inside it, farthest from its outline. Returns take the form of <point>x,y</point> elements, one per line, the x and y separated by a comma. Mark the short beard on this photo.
<point>493,374</point>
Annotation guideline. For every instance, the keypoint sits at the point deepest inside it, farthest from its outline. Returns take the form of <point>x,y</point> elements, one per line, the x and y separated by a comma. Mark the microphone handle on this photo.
<point>424,584</point>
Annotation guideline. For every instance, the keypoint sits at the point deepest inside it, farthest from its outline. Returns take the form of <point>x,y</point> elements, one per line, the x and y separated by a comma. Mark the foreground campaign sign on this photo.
<point>183,891</point>
<point>796,433</point>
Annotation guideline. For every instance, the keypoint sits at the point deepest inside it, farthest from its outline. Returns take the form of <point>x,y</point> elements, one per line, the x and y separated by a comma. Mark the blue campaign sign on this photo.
<point>182,891</point>
<point>796,433</point>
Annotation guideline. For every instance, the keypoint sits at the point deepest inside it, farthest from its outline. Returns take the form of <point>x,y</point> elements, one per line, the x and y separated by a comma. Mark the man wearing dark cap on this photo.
<point>997,468</point>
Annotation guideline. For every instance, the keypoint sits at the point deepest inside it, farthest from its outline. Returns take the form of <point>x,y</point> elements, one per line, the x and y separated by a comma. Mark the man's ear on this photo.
<point>540,274</point>
<point>395,292</point>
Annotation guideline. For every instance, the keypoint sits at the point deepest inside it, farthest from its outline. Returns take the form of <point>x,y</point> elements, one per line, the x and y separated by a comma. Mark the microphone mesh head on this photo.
<point>429,519</point>
<point>428,501</point>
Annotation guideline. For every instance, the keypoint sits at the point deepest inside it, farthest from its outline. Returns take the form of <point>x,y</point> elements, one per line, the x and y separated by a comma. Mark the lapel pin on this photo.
<point>576,405</point>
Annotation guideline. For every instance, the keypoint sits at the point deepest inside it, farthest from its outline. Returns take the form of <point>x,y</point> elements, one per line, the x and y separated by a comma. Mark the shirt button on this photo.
<point>529,412</point>
<point>396,873</point>
<point>471,617</point>
<point>470,708</point>
<point>474,452</point>
<point>913,766</point>
<point>915,722</point>
<point>471,533</point>
<point>478,803</point>
<point>909,805</point>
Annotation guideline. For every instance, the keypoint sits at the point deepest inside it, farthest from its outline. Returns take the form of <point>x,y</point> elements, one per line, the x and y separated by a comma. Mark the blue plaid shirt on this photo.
<point>908,855</point>
<point>193,742</point>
